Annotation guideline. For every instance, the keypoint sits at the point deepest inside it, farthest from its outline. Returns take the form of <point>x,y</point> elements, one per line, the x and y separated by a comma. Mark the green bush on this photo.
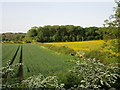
<point>87,74</point>
<point>108,54</point>
<point>93,54</point>
<point>39,81</point>
<point>9,79</point>
<point>61,49</point>
<point>104,57</point>
<point>95,75</point>
<point>69,79</point>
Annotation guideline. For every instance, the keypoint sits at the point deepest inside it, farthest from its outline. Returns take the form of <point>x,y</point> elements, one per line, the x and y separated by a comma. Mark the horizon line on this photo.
<point>1,32</point>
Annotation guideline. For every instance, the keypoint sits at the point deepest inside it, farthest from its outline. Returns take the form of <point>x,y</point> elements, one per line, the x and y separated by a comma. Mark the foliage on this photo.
<point>32,32</point>
<point>13,36</point>
<point>80,54</point>
<point>109,33</point>
<point>92,33</point>
<point>107,53</point>
<point>96,75</point>
<point>111,36</point>
<point>112,45</point>
<point>110,29</point>
<point>63,33</point>
<point>61,49</point>
<point>110,50</point>
<point>94,54</point>
<point>69,79</point>
<point>39,81</point>
<point>87,74</point>
<point>8,76</point>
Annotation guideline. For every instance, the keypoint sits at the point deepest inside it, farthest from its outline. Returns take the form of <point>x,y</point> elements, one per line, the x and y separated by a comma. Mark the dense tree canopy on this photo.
<point>13,36</point>
<point>63,33</point>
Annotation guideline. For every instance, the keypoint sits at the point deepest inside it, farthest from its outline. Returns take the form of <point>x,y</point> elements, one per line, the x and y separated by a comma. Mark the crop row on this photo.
<point>35,60</point>
<point>38,60</point>
<point>16,57</point>
<point>9,52</point>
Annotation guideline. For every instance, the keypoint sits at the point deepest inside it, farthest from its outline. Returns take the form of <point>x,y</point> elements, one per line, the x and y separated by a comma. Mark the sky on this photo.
<point>21,15</point>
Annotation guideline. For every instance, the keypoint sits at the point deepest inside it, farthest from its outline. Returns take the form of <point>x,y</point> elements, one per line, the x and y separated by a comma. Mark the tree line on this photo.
<point>13,36</point>
<point>63,33</point>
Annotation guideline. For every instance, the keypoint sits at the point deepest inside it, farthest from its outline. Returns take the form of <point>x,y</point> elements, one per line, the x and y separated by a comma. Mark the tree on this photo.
<point>32,33</point>
<point>63,33</point>
<point>110,30</point>
<point>40,37</point>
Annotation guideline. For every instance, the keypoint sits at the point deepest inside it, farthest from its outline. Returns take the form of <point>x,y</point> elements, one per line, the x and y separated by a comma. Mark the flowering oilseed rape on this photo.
<point>83,46</point>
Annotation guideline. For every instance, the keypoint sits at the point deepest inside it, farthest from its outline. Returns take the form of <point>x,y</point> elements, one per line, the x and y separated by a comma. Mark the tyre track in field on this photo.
<point>14,56</point>
<point>6,75</point>
<point>20,69</point>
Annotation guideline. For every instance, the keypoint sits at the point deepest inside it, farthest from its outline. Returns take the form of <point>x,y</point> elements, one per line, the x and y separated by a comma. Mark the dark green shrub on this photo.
<point>69,79</point>
<point>93,54</point>
<point>61,49</point>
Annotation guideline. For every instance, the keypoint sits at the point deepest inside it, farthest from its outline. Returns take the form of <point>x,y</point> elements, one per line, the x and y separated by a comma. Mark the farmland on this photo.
<point>66,48</point>
<point>35,59</point>
<point>48,59</point>
<point>8,52</point>
<point>83,46</point>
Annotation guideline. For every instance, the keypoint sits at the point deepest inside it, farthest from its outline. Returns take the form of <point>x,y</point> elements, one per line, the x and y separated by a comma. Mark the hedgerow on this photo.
<point>91,74</point>
<point>96,75</point>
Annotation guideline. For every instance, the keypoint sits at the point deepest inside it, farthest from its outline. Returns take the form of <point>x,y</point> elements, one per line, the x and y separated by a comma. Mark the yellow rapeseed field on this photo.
<point>83,45</point>
<point>87,46</point>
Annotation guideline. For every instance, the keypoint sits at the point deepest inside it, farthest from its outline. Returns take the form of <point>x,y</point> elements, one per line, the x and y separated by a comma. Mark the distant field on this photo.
<point>35,59</point>
<point>84,45</point>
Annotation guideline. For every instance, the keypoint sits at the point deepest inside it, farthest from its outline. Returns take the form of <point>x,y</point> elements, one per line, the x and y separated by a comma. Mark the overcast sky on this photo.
<point>21,15</point>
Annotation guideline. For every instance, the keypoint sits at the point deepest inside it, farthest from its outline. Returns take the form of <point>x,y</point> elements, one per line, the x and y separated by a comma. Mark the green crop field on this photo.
<point>8,52</point>
<point>35,59</point>
<point>38,60</point>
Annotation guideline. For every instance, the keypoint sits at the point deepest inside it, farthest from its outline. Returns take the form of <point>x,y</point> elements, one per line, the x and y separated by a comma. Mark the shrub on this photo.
<point>93,54</point>
<point>61,49</point>
<point>39,81</point>
<point>69,79</point>
<point>8,76</point>
<point>110,51</point>
<point>95,75</point>
<point>27,41</point>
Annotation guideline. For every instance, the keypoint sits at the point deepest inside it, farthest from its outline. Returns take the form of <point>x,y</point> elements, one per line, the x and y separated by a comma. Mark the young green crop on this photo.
<point>8,52</point>
<point>38,60</point>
